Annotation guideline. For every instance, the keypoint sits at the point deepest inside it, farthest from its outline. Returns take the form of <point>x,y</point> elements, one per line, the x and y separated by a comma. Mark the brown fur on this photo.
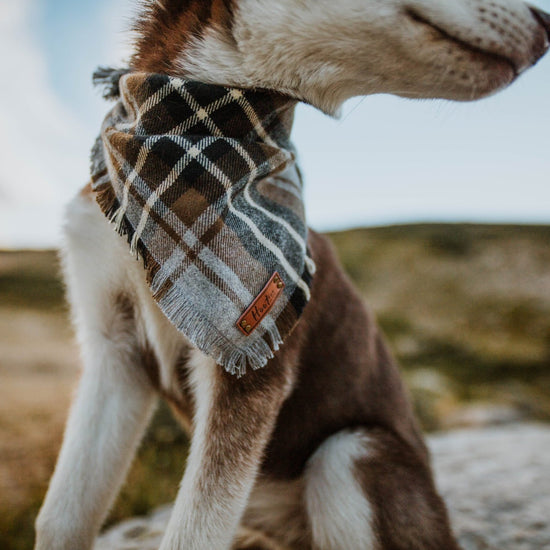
<point>277,509</point>
<point>248,539</point>
<point>87,191</point>
<point>408,511</point>
<point>346,376</point>
<point>334,373</point>
<point>165,28</point>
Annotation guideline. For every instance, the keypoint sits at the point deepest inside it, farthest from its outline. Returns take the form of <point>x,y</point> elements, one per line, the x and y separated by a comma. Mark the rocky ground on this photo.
<point>495,480</point>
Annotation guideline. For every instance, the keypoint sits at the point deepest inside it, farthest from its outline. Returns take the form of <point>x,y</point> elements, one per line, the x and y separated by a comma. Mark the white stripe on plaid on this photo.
<point>277,252</point>
<point>202,114</point>
<point>277,219</point>
<point>237,95</point>
<point>254,119</point>
<point>174,174</point>
<point>231,96</point>
<point>220,176</point>
<point>191,237</point>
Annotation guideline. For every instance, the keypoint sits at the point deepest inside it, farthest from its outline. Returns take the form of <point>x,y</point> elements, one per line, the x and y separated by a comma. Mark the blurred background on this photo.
<point>439,212</point>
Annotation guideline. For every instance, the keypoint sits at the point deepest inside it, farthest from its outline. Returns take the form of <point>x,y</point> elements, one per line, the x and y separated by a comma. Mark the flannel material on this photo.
<point>202,180</point>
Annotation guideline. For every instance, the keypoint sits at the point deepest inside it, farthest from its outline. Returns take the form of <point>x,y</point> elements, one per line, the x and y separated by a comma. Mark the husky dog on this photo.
<point>319,449</point>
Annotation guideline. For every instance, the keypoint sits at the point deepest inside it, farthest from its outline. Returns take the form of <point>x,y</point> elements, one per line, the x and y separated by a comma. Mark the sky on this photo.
<point>386,160</point>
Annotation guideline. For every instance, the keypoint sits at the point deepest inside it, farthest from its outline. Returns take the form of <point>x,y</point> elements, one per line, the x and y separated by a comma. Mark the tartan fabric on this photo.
<point>202,180</point>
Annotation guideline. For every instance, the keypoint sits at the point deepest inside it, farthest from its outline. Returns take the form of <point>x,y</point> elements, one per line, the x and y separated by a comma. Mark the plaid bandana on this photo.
<point>202,181</point>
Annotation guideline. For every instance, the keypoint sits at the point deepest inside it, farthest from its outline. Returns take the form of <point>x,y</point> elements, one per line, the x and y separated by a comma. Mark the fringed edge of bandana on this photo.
<point>108,78</point>
<point>110,206</point>
<point>233,359</point>
<point>183,314</point>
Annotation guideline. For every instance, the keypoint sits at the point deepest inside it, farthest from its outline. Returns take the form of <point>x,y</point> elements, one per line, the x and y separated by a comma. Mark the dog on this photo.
<point>320,448</point>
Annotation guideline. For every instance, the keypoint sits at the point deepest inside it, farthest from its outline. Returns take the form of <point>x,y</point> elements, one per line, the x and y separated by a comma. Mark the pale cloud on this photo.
<point>116,18</point>
<point>39,137</point>
<point>45,143</point>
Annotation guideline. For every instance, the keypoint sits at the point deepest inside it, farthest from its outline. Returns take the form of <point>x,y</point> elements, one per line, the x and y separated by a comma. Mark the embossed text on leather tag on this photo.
<point>261,306</point>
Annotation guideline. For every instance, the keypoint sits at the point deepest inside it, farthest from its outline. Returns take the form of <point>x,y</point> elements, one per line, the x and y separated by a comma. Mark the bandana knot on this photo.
<point>203,182</point>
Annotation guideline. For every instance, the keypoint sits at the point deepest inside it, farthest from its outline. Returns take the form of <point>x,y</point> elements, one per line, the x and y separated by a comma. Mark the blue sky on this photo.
<point>387,160</point>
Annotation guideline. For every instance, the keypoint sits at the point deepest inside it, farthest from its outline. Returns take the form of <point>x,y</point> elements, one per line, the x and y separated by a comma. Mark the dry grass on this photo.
<point>38,369</point>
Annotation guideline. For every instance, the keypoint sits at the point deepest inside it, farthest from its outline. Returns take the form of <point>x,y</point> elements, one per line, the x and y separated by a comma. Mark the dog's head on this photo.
<point>326,51</point>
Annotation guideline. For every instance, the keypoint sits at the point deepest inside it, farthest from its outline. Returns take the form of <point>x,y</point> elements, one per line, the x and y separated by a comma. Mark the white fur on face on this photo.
<point>326,51</point>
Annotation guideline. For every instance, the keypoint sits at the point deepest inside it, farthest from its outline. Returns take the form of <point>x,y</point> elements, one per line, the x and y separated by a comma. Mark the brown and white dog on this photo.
<point>320,448</point>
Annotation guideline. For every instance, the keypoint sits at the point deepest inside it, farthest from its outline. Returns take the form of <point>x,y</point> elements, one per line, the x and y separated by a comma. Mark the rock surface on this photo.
<point>496,482</point>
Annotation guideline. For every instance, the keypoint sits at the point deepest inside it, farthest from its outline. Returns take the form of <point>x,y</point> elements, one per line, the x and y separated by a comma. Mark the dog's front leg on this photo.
<point>234,419</point>
<point>110,411</point>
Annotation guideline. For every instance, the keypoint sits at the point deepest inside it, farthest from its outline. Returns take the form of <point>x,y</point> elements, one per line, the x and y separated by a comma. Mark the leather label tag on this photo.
<point>262,305</point>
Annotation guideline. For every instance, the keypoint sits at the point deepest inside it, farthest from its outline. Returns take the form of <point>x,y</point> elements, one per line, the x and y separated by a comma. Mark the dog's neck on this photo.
<point>170,41</point>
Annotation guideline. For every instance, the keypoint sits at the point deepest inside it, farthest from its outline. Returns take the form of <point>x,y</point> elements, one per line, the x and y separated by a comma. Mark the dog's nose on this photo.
<point>543,18</point>
<point>543,42</point>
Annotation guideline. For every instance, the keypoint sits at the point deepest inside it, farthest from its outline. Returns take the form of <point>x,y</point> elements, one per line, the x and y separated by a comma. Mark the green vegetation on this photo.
<point>468,302</point>
<point>157,471</point>
<point>30,279</point>
<point>153,480</point>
